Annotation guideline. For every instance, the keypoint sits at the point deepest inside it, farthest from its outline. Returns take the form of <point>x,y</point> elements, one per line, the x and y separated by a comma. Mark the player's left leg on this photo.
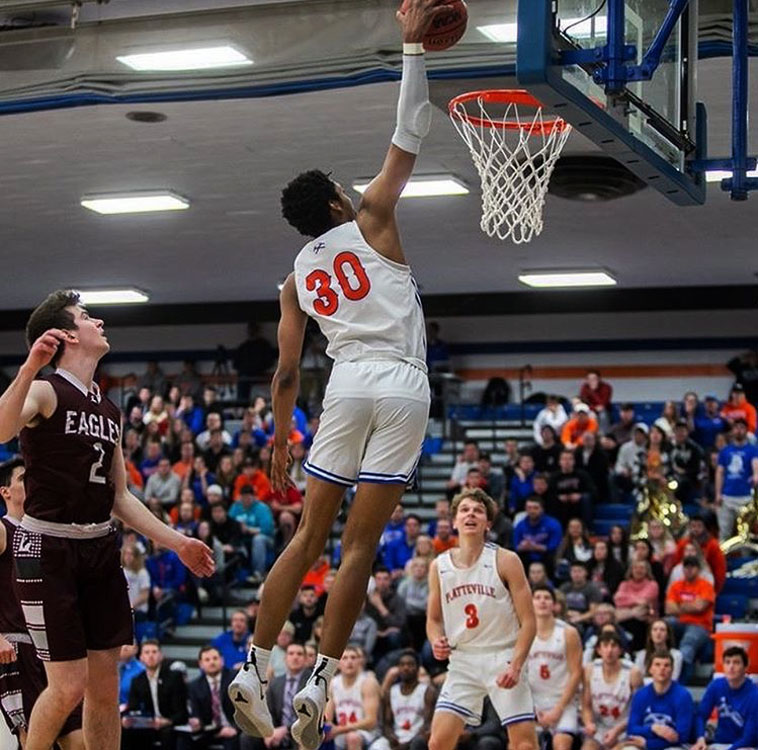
<point>446,730</point>
<point>102,723</point>
<point>522,735</point>
<point>562,741</point>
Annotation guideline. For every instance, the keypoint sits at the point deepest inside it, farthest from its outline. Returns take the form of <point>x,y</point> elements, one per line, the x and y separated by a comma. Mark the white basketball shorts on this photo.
<point>569,721</point>
<point>472,676</point>
<point>373,424</point>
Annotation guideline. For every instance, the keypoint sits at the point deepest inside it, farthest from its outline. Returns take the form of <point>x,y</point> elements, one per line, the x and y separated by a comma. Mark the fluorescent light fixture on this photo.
<point>112,296</point>
<point>135,203</point>
<point>425,186</point>
<point>202,58</point>
<point>716,175</point>
<point>566,279</point>
<point>580,27</point>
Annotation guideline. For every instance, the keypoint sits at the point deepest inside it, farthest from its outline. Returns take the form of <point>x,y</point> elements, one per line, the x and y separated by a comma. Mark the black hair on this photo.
<point>410,652</point>
<point>381,569</point>
<point>52,313</point>
<point>6,469</point>
<point>305,202</point>
<point>543,587</point>
<point>535,499</point>
<point>415,517</point>
<point>736,651</point>
<point>205,649</point>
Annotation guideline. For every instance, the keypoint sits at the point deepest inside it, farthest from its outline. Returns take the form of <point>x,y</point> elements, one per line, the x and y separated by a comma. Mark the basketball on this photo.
<point>447,28</point>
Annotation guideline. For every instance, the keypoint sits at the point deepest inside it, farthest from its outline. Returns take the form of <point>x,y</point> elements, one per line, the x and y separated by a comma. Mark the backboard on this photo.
<point>653,126</point>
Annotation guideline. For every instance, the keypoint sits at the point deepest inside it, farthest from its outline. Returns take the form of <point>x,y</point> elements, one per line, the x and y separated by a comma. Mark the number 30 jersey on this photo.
<point>477,608</point>
<point>367,306</point>
<point>68,456</point>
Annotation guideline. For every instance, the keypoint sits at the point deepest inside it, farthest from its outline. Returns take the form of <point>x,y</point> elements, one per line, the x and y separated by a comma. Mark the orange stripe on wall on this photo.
<point>608,371</point>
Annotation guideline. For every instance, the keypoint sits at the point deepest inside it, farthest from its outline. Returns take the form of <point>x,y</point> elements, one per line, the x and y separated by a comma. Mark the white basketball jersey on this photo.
<point>548,667</point>
<point>348,702</point>
<point>367,306</point>
<point>477,609</point>
<point>610,702</point>
<point>408,711</point>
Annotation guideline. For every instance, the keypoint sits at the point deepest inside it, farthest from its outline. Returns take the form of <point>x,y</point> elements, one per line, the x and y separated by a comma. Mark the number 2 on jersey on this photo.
<point>354,283</point>
<point>472,619</point>
<point>94,477</point>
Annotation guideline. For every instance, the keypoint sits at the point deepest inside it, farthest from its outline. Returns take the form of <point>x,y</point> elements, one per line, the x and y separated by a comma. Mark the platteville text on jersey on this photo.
<point>92,425</point>
<point>470,588</point>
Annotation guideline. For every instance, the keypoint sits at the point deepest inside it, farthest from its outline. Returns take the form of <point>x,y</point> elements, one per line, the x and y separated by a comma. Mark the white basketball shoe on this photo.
<point>248,694</point>
<point>309,704</point>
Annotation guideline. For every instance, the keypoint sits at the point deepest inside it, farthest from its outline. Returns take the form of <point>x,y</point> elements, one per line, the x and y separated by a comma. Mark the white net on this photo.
<point>514,155</point>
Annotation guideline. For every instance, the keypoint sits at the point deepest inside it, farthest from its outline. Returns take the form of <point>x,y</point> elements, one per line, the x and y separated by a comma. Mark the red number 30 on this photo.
<point>354,286</point>
<point>473,616</point>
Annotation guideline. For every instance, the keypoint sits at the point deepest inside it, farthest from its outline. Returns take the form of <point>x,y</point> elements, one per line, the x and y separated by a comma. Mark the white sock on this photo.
<point>259,659</point>
<point>323,671</point>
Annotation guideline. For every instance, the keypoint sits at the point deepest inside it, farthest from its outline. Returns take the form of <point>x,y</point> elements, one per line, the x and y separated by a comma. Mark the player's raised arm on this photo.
<point>286,382</point>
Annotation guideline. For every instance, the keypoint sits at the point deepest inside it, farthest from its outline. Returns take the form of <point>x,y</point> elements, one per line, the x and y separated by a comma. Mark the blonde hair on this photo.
<point>477,495</point>
<point>139,558</point>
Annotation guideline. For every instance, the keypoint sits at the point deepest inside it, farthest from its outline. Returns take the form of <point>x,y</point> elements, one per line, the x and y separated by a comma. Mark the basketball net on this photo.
<point>514,154</point>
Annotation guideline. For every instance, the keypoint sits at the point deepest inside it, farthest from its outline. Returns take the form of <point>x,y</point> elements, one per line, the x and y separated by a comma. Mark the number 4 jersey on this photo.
<point>366,305</point>
<point>68,456</point>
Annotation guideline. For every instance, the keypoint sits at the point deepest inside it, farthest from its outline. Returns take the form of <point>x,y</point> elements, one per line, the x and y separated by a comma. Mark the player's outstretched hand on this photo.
<point>7,652</point>
<point>441,648</point>
<point>510,677</point>
<point>45,347</point>
<point>417,15</point>
<point>197,557</point>
<point>280,464</point>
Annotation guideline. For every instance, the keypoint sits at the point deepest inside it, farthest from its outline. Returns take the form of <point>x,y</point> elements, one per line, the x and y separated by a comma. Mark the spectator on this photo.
<point>163,485</point>
<point>395,528</point>
<point>745,369</point>
<point>511,457</point>
<point>691,550</point>
<point>710,424</point>
<point>597,394</point>
<point>664,546</point>
<point>157,681</point>
<point>658,456</point>
<point>668,419</point>
<point>128,668</point>
<point>388,610</point>
<point>468,459</point>
<point>571,490</point>
<point>408,706</point>
<point>296,472</point>
<point>547,455</point>
<point>736,478</point>
<point>553,416</point>
<point>213,422</point>
<point>686,464</point>
<point>277,664</point>
<point>226,530</point>
<point>437,352</point>
<point>168,576</point>
<point>574,547</point>
<point>689,604</point>
<point>603,621</point>
<point>186,460</point>
<point>153,455</point>
<point>210,705</point>
<point>662,712</point>
<point>493,477</point>
<point>590,458</point>
<point>257,526</point>
<point>305,613</point>
<point>735,697</point>
<point>253,475</point>
<point>216,449</point>
<point>642,549</point>
<point>609,684</point>
<point>287,507</point>
<point>621,431</point>
<point>413,589</point>
<point>709,546</point>
<point>444,540</point>
<point>537,536</point>
<point>317,576</point>
<point>605,571</point>
<point>631,460</point>
<point>191,413</point>
<point>401,550</point>
<point>187,517</point>
<point>580,423</point>
<point>353,708</point>
<point>157,414</point>
<point>618,544</point>
<point>660,637</point>
<point>138,580</point>
<point>522,483</point>
<point>364,633</point>
<point>636,601</point>
<point>424,548</point>
<point>582,597</point>
<point>252,359</point>
<point>441,511</point>
<point>226,474</point>
<point>200,480</point>
<point>189,381</point>
<point>280,693</point>
<point>231,644</point>
<point>537,575</point>
<point>738,407</point>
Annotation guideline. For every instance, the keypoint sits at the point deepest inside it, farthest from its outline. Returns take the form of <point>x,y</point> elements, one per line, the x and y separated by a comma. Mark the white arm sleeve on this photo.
<point>414,112</point>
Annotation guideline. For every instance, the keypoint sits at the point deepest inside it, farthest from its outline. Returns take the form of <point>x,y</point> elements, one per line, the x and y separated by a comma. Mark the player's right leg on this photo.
<point>446,730</point>
<point>522,735</point>
<point>590,743</point>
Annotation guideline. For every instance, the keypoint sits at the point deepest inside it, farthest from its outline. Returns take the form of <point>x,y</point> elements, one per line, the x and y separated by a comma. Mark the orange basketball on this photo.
<point>447,28</point>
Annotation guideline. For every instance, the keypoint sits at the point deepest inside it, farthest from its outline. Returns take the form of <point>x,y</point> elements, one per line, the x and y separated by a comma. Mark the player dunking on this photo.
<point>72,589</point>
<point>22,676</point>
<point>480,616</point>
<point>354,281</point>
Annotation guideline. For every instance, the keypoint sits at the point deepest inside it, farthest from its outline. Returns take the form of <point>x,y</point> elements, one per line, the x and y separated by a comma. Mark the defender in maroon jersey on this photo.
<point>72,589</point>
<point>22,676</point>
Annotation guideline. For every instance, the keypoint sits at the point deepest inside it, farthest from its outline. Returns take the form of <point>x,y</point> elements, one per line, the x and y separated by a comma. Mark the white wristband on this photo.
<point>413,48</point>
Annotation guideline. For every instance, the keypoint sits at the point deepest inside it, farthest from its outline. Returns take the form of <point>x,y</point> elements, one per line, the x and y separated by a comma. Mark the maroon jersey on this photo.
<point>68,456</point>
<point>11,615</point>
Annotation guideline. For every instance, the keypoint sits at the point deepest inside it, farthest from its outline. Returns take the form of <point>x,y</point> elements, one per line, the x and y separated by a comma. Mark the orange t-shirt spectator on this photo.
<point>186,460</point>
<point>692,598</point>
<point>582,421</point>
<point>739,406</point>
<point>253,475</point>
<point>444,539</point>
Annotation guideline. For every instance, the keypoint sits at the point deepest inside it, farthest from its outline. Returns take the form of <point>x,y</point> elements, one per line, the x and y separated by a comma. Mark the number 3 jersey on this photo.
<point>367,306</point>
<point>68,456</point>
<point>477,608</point>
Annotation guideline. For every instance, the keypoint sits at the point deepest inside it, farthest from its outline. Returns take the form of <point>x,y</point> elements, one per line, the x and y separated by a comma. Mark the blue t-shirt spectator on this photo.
<point>234,651</point>
<point>194,418</point>
<point>127,671</point>
<point>166,571</point>
<point>545,531</point>
<point>257,515</point>
<point>737,462</point>
<point>707,429</point>
<point>674,709</point>
<point>392,531</point>
<point>397,554</point>
<point>735,707</point>
<point>520,490</point>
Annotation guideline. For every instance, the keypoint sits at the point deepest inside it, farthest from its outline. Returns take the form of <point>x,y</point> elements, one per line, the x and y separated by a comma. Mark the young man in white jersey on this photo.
<point>555,671</point>
<point>354,281</point>
<point>609,683</point>
<point>353,709</point>
<point>480,616</point>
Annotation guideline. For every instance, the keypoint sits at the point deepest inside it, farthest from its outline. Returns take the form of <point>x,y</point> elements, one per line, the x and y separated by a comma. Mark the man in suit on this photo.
<point>158,693</point>
<point>280,693</point>
<point>210,706</point>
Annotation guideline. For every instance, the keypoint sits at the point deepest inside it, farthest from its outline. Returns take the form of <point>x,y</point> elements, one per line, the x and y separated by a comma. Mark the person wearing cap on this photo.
<point>686,463</point>
<point>738,407</point>
<point>710,423</point>
<point>232,643</point>
<point>578,424</point>
<point>736,477</point>
<point>597,394</point>
<point>689,607</point>
<point>553,415</point>
<point>630,463</point>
